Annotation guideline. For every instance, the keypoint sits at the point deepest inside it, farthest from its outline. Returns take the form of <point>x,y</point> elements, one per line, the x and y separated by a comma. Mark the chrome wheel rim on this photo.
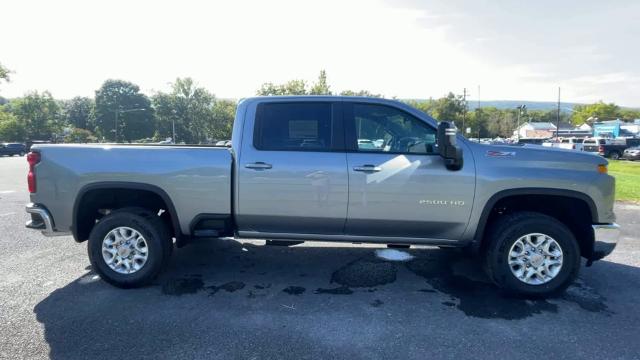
<point>535,259</point>
<point>125,250</point>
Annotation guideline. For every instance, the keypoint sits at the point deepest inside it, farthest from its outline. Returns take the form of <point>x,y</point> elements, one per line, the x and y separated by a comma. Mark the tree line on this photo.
<point>119,112</point>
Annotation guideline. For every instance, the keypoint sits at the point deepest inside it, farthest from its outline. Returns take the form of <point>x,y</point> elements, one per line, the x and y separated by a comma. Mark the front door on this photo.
<point>398,184</point>
<point>292,171</point>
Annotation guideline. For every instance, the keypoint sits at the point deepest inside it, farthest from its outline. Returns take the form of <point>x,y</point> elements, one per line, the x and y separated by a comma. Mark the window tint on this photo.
<point>385,129</point>
<point>293,126</point>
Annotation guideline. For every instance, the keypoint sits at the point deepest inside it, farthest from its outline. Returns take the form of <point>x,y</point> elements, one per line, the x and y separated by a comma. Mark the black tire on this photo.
<point>614,155</point>
<point>21,153</point>
<point>507,230</point>
<point>151,227</point>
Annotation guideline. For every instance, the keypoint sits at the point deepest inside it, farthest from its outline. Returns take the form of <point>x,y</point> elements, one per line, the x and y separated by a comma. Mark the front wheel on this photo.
<point>129,248</point>
<point>531,254</point>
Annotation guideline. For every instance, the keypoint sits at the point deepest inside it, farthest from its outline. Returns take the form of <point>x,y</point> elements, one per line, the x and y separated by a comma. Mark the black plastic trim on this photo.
<point>486,212</point>
<point>227,218</point>
<point>180,236</point>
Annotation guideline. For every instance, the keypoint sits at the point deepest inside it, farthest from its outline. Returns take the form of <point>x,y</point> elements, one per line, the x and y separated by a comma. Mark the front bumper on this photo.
<point>606,238</point>
<point>628,156</point>
<point>41,220</point>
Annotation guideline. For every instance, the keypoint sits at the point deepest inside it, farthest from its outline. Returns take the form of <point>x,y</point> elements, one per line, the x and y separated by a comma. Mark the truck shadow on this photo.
<point>210,280</point>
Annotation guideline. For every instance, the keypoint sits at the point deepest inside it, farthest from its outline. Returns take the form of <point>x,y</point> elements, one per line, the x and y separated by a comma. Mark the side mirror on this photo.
<point>448,147</point>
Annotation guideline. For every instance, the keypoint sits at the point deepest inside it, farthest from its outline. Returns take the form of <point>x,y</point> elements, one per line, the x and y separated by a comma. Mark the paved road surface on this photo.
<point>229,299</point>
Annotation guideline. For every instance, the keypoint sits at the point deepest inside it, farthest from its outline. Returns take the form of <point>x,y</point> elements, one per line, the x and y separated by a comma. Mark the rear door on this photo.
<point>292,171</point>
<point>400,186</point>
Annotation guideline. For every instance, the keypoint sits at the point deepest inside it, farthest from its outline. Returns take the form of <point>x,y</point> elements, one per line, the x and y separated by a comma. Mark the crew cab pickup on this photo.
<point>330,168</point>
<point>615,150</point>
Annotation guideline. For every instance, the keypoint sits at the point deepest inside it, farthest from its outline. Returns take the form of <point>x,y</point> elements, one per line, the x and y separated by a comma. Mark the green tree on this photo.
<point>291,87</point>
<point>599,111</point>
<point>449,108</point>
<point>136,118</point>
<point>366,93</point>
<point>79,136</point>
<point>4,73</point>
<point>78,112</point>
<point>188,106</point>
<point>10,128</point>
<point>629,114</point>
<point>40,114</point>
<point>321,87</point>
<point>224,112</point>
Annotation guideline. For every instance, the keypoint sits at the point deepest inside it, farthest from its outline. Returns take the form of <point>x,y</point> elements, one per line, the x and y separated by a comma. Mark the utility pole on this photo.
<point>115,131</point>
<point>521,109</point>
<point>479,113</point>
<point>558,116</point>
<point>464,110</point>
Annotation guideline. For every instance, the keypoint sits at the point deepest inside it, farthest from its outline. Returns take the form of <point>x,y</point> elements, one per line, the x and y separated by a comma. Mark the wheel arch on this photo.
<point>80,232</point>
<point>558,200</point>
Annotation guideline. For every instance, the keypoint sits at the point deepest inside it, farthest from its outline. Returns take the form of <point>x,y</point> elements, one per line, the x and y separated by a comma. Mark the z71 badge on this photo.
<point>494,153</point>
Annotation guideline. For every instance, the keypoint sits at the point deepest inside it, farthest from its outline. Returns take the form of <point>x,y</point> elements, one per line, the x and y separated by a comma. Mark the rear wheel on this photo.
<point>531,254</point>
<point>614,155</point>
<point>129,247</point>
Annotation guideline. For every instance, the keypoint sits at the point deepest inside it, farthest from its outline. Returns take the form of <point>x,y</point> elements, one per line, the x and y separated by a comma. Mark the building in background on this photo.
<point>535,130</point>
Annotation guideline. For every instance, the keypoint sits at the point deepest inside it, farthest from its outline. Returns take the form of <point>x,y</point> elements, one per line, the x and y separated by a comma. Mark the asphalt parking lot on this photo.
<point>230,299</point>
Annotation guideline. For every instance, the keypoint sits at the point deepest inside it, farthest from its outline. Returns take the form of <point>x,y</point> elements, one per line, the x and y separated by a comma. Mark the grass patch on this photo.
<point>627,176</point>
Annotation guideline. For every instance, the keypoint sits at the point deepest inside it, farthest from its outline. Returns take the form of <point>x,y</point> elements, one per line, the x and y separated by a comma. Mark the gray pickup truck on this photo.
<point>329,168</point>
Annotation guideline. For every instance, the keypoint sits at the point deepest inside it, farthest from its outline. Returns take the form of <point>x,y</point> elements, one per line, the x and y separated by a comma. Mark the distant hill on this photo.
<point>512,104</point>
<point>531,105</point>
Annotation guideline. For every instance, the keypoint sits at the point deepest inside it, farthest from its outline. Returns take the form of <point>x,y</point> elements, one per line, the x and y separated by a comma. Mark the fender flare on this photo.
<point>130,186</point>
<point>493,200</point>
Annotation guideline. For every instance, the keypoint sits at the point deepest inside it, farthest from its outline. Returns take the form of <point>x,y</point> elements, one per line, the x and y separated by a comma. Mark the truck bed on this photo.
<point>196,178</point>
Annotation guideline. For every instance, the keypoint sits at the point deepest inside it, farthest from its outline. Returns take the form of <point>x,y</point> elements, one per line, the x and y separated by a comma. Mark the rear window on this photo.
<point>293,126</point>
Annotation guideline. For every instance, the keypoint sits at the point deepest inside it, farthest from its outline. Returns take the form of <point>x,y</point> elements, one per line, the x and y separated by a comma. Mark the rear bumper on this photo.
<point>606,238</point>
<point>41,220</point>
<point>631,157</point>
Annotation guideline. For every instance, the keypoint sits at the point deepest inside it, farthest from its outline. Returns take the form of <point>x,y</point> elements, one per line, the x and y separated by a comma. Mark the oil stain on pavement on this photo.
<point>177,287</point>
<point>365,273</point>
<point>482,299</point>
<point>231,286</point>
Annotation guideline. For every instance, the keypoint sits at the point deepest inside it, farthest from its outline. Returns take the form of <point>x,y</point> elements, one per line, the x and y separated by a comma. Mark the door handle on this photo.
<point>258,166</point>
<point>367,168</point>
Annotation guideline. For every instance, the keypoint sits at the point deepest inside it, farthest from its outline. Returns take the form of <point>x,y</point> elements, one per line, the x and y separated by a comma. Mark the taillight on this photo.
<point>601,149</point>
<point>573,147</point>
<point>32,158</point>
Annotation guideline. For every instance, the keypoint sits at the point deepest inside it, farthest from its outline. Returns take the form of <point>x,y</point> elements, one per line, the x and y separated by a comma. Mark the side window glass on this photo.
<point>293,126</point>
<point>385,129</point>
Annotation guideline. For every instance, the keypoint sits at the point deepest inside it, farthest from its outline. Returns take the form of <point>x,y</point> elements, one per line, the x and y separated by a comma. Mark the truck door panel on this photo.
<point>398,184</point>
<point>291,176</point>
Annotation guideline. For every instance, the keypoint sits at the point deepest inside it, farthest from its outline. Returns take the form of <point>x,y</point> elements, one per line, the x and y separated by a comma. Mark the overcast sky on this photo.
<point>515,50</point>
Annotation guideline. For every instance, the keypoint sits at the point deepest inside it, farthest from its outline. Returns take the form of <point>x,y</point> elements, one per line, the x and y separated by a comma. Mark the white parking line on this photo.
<point>7,214</point>
<point>7,191</point>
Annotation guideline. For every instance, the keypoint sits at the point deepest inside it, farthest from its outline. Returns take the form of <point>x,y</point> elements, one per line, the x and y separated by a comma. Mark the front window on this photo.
<point>386,129</point>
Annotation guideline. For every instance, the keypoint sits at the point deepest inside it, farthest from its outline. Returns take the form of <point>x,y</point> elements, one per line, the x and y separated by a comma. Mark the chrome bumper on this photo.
<point>606,238</point>
<point>41,220</point>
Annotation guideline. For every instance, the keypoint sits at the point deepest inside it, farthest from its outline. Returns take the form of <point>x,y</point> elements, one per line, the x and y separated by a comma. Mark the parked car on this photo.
<point>615,149</point>
<point>295,173</point>
<point>571,144</point>
<point>12,149</point>
<point>592,145</point>
<point>632,153</point>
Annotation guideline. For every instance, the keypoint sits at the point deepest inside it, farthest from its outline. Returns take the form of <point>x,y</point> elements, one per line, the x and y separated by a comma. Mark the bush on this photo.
<point>11,129</point>
<point>80,136</point>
